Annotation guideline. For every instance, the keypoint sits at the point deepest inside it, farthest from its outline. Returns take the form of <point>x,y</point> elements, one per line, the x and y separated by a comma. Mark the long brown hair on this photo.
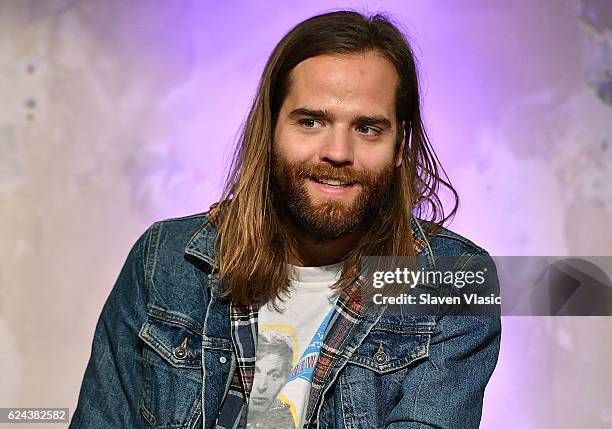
<point>253,245</point>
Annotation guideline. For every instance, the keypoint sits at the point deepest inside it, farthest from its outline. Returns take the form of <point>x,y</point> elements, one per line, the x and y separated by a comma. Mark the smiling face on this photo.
<point>334,150</point>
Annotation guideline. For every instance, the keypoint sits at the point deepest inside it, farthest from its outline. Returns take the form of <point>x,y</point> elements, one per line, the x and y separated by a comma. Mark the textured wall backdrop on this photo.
<point>114,114</point>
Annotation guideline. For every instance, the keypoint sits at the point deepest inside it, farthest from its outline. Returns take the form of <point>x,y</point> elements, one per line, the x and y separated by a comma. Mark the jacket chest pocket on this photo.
<point>172,370</point>
<point>369,386</point>
<point>390,347</point>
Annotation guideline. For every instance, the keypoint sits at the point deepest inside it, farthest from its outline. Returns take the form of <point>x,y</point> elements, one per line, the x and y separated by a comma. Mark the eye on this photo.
<point>310,123</point>
<point>367,130</point>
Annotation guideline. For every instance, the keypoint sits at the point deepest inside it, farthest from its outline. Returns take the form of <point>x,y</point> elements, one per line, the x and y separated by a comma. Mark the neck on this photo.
<point>307,250</point>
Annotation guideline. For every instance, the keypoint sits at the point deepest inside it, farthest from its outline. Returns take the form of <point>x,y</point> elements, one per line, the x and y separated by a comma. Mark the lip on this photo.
<point>337,191</point>
<point>258,400</point>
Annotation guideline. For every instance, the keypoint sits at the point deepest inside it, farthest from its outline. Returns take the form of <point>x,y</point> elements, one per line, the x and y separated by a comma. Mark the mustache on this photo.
<point>329,172</point>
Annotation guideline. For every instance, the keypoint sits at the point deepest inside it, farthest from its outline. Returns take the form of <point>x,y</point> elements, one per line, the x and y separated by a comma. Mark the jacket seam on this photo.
<point>151,256</point>
<point>463,240</point>
<point>456,267</point>
<point>430,254</point>
<point>472,256</point>
<point>418,394</point>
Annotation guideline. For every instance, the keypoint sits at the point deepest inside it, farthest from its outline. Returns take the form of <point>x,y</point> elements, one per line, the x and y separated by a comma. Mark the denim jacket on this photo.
<point>163,356</point>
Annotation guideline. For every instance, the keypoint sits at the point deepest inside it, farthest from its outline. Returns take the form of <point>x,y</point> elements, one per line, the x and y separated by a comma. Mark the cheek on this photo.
<point>295,147</point>
<point>376,160</point>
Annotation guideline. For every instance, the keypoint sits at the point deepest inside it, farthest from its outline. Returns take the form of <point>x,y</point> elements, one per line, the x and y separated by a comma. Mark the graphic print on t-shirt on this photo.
<point>289,337</point>
<point>285,378</point>
<point>305,367</point>
<point>277,350</point>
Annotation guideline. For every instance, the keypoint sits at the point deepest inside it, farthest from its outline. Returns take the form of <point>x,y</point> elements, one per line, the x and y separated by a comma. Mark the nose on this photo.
<point>337,148</point>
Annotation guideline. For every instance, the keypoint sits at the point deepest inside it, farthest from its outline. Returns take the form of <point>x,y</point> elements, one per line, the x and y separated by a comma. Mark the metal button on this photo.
<point>380,357</point>
<point>222,359</point>
<point>180,352</point>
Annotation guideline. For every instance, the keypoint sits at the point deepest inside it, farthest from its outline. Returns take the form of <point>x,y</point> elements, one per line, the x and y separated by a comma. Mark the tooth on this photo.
<point>333,182</point>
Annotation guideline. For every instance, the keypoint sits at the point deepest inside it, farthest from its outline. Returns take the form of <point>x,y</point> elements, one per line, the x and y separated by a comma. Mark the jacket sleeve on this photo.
<point>109,396</point>
<point>447,390</point>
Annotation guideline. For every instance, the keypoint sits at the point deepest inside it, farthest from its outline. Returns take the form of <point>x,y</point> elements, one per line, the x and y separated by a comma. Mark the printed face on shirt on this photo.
<point>334,151</point>
<point>274,368</point>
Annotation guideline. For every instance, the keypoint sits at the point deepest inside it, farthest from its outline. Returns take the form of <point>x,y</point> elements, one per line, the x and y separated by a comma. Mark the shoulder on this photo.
<point>184,225</point>
<point>451,250</point>
<point>176,237</point>
<point>170,242</point>
<point>445,242</point>
<point>176,279</point>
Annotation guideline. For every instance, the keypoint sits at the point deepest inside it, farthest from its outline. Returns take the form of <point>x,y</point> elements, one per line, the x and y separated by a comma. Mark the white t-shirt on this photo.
<point>288,344</point>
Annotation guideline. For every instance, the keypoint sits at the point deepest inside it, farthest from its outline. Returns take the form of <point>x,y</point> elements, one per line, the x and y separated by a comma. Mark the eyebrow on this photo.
<point>325,115</point>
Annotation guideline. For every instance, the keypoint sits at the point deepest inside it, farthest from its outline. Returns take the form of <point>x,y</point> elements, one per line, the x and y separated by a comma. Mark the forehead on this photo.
<point>365,81</point>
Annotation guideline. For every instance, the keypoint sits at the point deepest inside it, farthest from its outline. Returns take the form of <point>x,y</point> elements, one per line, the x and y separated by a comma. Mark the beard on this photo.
<point>330,217</point>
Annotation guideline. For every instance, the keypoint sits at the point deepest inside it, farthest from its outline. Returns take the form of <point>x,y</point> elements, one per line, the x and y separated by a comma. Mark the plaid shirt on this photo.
<point>347,315</point>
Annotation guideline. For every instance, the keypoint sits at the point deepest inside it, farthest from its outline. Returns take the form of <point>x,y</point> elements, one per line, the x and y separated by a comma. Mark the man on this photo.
<point>333,165</point>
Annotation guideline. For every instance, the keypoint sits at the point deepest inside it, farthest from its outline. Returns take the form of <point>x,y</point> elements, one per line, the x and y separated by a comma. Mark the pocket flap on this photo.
<point>390,347</point>
<point>175,337</point>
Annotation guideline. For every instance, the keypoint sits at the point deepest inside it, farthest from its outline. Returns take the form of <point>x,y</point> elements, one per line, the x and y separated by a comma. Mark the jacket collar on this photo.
<point>203,243</point>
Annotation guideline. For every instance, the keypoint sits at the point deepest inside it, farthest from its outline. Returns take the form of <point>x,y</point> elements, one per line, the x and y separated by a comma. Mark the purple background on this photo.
<point>115,114</point>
